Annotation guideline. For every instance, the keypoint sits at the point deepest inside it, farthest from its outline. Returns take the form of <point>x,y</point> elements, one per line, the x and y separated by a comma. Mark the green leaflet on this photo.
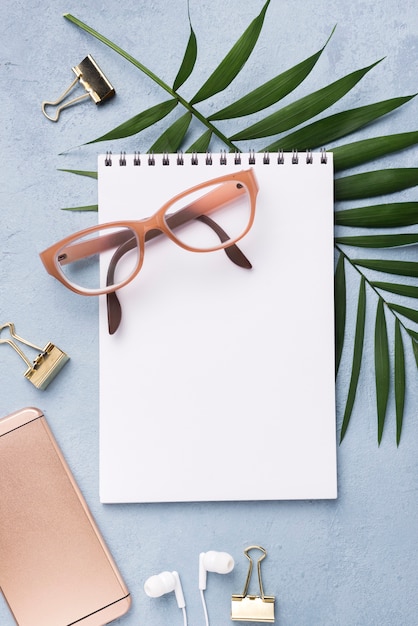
<point>202,143</point>
<point>172,138</point>
<point>409,291</point>
<point>379,216</point>
<point>415,349</point>
<point>139,122</point>
<point>272,91</point>
<point>376,183</point>
<point>234,61</point>
<point>401,268</point>
<point>411,314</point>
<point>340,309</point>
<point>189,60</point>
<point>381,363</point>
<point>354,154</point>
<point>379,241</point>
<point>91,207</point>
<point>400,383</point>
<point>357,356</point>
<point>304,109</point>
<point>334,127</point>
<point>80,172</point>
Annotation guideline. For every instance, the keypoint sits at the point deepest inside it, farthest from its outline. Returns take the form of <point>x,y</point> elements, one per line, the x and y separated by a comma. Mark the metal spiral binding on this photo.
<point>224,158</point>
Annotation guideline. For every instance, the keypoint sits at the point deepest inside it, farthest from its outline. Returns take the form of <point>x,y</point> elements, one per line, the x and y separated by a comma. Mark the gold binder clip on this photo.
<point>45,366</point>
<point>251,608</point>
<point>97,86</point>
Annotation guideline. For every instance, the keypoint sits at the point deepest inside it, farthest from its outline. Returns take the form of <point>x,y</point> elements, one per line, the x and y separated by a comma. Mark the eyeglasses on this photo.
<point>104,258</point>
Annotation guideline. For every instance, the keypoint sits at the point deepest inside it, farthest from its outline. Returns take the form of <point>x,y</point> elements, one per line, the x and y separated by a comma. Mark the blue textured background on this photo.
<point>350,562</point>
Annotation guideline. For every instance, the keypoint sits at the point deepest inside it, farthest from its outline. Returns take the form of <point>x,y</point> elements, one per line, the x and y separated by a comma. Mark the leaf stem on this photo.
<point>153,77</point>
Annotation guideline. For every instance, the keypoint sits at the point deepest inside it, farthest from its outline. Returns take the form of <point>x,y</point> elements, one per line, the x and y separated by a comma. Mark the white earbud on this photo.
<point>163,583</point>
<point>218,562</point>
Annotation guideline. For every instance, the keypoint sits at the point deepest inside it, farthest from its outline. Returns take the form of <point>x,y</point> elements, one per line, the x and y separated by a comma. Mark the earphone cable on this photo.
<point>205,610</point>
<point>184,616</point>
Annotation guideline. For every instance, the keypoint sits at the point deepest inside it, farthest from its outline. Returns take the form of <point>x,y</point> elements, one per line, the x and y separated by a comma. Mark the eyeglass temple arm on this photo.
<point>114,310</point>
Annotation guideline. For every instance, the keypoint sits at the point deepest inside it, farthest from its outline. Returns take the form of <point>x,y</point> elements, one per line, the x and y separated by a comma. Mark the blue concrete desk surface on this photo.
<point>349,562</point>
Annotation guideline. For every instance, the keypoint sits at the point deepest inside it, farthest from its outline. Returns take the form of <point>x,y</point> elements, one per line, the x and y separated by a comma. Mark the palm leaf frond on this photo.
<point>409,291</point>
<point>172,138</point>
<point>379,241</point>
<point>272,91</point>
<point>304,109</point>
<point>357,357</point>
<point>378,183</point>
<point>340,309</point>
<point>189,60</point>
<point>400,380</point>
<point>234,61</point>
<point>359,152</point>
<point>389,266</point>
<point>390,215</point>
<point>336,126</point>
<point>382,367</point>
<point>139,122</point>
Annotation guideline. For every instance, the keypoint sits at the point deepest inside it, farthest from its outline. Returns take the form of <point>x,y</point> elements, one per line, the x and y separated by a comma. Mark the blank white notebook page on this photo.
<point>219,383</point>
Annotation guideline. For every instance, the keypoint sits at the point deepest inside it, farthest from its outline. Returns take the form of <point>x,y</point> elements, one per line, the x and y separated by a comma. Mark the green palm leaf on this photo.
<point>382,373</point>
<point>234,61</point>
<point>202,143</point>
<point>172,138</point>
<point>379,216</point>
<point>359,152</point>
<point>411,314</point>
<point>189,60</point>
<point>334,127</point>
<point>89,174</point>
<point>415,349</point>
<point>340,309</point>
<point>400,384</point>
<point>357,357</point>
<point>401,268</point>
<point>89,207</point>
<point>304,109</point>
<point>377,183</point>
<point>272,91</point>
<point>379,241</point>
<point>409,291</point>
<point>139,122</point>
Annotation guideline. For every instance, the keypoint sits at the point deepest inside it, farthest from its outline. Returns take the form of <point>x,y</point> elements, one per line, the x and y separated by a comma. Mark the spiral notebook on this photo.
<point>219,383</point>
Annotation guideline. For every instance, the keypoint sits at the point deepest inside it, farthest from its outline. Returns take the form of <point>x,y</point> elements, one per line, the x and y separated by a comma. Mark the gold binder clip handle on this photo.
<point>253,608</point>
<point>46,365</point>
<point>250,569</point>
<point>91,77</point>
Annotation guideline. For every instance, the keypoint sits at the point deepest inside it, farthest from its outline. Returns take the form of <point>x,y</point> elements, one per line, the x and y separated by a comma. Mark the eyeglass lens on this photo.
<point>107,256</point>
<point>227,209</point>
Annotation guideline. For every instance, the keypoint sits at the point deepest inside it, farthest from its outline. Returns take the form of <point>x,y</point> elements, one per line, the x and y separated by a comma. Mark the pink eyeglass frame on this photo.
<point>154,226</point>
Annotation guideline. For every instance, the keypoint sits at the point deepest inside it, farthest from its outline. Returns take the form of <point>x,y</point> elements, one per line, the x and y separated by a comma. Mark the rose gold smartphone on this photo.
<point>55,569</point>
